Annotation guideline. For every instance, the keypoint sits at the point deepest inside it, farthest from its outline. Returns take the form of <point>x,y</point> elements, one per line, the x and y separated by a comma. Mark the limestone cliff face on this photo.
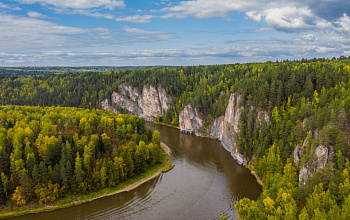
<point>151,103</point>
<point>129,92</point>
<point>164,99</point>
<point>304,175</point>
<point>190,120</point>
<point>216,129</point>
<point>323,156</point>
<point>230,128</point>
<point>224,128</point>
<point>298,150</point>
<point>233,112</point>
<point>106,106</point>
<point>122,101</point>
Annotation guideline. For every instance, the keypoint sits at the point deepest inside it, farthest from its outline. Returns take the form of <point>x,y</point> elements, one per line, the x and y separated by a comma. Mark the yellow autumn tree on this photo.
<point>18,196</point>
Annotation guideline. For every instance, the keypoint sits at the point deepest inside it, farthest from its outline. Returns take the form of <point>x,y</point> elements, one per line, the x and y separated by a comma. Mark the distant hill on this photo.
<point>15,71</point>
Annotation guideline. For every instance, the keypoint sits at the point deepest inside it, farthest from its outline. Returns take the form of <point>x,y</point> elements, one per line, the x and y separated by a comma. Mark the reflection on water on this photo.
<point>205,182</point>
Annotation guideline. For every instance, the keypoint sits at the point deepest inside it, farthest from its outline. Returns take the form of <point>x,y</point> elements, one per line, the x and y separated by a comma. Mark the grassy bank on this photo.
<point>72,199</point>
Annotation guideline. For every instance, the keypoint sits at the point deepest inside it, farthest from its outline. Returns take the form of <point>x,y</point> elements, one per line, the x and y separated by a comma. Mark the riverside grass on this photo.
<point>71,200</point>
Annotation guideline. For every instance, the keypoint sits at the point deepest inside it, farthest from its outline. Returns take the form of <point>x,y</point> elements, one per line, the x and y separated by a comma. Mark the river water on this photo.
<point>205,182</point>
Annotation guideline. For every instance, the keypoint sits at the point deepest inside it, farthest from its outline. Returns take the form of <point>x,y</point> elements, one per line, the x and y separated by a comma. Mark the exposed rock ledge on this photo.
<point>323,158</point>
<point>224,128</point>
<point>189,120</point>
<point>151,103</point>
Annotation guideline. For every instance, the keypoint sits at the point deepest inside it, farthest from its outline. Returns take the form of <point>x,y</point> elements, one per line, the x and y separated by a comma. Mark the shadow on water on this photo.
<point>205,182</point>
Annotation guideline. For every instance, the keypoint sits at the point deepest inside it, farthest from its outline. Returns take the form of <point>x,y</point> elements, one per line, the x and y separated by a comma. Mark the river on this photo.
<point>205,182</point>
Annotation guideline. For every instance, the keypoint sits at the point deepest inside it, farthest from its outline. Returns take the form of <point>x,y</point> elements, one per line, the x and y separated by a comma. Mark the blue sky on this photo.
<point>165,32</point>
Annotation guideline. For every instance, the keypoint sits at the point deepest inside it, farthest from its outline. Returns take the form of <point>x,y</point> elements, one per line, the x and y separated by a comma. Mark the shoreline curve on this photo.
<point>48,208</point>
<point>138,183</point>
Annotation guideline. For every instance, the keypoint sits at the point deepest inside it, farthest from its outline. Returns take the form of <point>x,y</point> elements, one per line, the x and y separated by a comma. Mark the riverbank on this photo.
<point>256,177</point>
<point>72,200</point>
<point>205,136</point>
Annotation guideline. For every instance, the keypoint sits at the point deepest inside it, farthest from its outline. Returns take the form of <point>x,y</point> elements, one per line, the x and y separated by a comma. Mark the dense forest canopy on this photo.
<point>263,85</point>
<point>48,152</point>
<point>308,103</point>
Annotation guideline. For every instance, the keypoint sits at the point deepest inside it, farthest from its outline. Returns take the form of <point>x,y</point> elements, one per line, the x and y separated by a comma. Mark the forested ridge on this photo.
<point>46,153</point>
<point>306,100</point>
<point>16,71</point>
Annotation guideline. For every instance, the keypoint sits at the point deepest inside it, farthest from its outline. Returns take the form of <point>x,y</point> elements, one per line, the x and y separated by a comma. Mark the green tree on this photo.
<point>3,197</point>
<point>78,170</point>
<point>156,139</point>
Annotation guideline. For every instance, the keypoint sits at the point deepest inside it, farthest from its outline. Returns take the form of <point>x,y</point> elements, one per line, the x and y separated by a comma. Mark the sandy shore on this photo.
<point>166,148</point>
<point>257,177</point>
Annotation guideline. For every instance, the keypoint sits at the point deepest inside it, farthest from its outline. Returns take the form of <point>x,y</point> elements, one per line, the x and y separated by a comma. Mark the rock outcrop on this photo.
<point>106,106</point>
<point>154,102</point>
<point>216,129</point>
<point>230,128</point>
<point>189,120</point>
<point>224,128</point>
<point>304,175</point>
<point>129,92</point>
<point>233,111</point>
<point>130,106</point>
<point>298,150</point>
<point>164,99</point>
<point>323,156</point>
<point>151,103</point>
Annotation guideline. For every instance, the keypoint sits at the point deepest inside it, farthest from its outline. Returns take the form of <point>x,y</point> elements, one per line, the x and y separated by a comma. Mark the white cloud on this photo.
<point>308,37</point>
<point>79,4</point>
<point>325,50</point>
<point>209,8</point>
<point>287,16</point>
<point>9,7</point>
<point>344,23</point>
<point>136,18</point>
<point>17,32</point>
<point>146,34</point>
<point>254,15</point>
<point>34,14</point>
<point>305,46</point>
<point>131,18</point>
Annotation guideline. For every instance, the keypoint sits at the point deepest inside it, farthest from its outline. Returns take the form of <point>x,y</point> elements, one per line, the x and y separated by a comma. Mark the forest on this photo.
<point>308,101</point>
<point>46,153</point>
<point>39,70</point>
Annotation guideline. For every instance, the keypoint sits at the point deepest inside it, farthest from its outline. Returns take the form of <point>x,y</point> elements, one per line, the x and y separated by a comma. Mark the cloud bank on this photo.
<point>286,30</point>
<point>286,16</point>
<point>78,4</point>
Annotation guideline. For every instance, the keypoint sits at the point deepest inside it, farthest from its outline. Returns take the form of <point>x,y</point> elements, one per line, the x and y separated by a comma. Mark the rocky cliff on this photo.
<point>106,106</point>
<point>229,128</point>
<point>151,103</point>
<point>224,128</point>
<point>323,156</point>
<point>190,120</point>
<point>129,92</point>
<point>125,103</point>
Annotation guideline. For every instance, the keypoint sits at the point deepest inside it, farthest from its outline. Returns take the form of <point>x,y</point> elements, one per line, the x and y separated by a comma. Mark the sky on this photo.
<point>170,32</point>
